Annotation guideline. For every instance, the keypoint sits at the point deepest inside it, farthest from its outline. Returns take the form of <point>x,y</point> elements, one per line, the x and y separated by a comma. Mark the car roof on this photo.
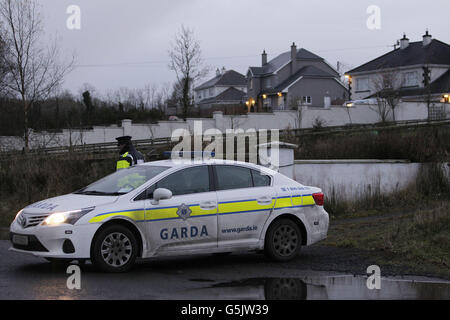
<point>189,162</point>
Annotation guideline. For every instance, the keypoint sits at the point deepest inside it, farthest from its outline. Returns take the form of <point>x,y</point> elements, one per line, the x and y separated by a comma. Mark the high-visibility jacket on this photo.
<point>129,158</point>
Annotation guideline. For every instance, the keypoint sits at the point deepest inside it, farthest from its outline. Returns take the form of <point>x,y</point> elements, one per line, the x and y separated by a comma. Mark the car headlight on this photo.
<point>18,214</point>
<point>70,217</point>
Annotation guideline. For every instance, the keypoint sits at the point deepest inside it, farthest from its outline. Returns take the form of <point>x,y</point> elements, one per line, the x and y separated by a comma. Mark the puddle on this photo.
<point>325,288</point>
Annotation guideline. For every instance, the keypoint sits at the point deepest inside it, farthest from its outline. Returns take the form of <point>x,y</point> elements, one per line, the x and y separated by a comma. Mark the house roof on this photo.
<point>282,59</point>
<point>228,78</point>
<point>437,52</point>
<point>307,71</point>
<point>230,95</point>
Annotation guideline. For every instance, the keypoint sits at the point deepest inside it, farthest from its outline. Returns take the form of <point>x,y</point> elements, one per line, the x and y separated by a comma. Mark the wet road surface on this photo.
<point>237,276</point>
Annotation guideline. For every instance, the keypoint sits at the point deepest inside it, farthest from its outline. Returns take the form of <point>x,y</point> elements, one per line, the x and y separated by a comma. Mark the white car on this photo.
<point>170,207</point>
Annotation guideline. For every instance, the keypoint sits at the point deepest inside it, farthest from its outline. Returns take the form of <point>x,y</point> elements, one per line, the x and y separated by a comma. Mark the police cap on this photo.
<point>123,140</point>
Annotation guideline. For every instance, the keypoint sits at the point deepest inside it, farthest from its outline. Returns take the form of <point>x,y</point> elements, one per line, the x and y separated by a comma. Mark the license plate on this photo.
<point>18,239</point>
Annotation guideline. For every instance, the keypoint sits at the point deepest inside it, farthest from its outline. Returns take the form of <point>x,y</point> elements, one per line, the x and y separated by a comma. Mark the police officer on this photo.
<point>129,156</point>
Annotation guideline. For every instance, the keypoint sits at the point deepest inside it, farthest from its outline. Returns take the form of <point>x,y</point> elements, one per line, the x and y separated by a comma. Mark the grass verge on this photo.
<point>415,241</point>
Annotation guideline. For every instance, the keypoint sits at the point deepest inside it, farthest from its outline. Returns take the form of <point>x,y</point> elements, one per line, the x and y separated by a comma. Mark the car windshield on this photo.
<point>122,181</point>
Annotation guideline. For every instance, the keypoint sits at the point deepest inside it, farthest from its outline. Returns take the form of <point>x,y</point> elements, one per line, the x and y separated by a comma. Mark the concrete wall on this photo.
<point>353,179</point>
<point>289,119</point>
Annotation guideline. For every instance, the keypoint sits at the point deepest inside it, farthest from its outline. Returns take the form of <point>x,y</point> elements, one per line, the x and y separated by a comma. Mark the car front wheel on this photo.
<point>114,249</point>
<point>283,240</point>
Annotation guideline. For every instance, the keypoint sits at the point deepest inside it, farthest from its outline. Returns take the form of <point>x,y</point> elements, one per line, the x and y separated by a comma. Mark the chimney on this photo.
<point>404,42</point>
<point>217,72</point>
<point>264,58</point>
<point>427,39</point>
<point>293,58</point>
<point>223,70</point>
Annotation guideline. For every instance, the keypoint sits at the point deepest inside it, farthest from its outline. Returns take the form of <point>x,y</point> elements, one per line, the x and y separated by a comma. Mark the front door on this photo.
<point>188,221</point>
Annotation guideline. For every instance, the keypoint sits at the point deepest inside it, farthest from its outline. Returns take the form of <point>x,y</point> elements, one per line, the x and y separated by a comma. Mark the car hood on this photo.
<point>68,202</point>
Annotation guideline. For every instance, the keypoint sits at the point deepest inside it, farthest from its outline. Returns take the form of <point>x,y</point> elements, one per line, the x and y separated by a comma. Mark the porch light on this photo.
<point>264,96</point>
<point>280,94</point>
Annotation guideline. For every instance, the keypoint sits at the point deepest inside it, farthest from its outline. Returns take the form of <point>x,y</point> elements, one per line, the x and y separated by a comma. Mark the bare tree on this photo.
<point>3,65</point>
<point>187,62</point>
<point>296,103</point>
<point>382,109</point>
<point>34,70</point>
<point>387,86</point>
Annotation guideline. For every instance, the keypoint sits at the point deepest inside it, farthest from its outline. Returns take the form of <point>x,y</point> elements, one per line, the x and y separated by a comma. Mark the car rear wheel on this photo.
<point>283,240</point>
<point>114,249</point>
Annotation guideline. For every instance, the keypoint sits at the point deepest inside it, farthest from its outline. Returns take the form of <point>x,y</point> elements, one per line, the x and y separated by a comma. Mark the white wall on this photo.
<point>333,116</point>
<point>352,179</point>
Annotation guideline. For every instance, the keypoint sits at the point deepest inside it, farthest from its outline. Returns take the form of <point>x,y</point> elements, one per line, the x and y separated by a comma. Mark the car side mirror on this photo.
<point>161,194</point>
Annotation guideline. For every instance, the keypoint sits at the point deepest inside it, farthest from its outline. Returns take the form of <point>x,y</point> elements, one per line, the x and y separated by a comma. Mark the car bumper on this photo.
<point>318,225</point>
<point>63,241</point>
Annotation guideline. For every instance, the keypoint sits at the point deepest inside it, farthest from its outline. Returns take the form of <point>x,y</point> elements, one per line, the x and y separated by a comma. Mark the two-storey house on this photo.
<point>228,87</point>
<point>294,78</point>
<point>416,70</point>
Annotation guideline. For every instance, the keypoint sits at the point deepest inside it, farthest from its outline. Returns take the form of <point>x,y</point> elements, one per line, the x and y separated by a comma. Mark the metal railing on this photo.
<point>109,149</point>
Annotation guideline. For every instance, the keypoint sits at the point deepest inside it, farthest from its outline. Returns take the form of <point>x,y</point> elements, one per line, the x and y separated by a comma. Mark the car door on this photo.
<point>246,199</point>
<point>188,220</point>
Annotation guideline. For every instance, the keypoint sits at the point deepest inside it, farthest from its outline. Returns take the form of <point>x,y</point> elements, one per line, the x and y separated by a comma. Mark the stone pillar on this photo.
<point>219,120</point>
<point>126,127</point>
<point>267,153</point>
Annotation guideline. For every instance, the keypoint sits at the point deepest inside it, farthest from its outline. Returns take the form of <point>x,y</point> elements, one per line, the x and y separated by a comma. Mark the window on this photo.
<point>410,79</point>
<point>186,181</point>
<point>259,179</point>
<point>306,99</point>
<point>362,84</point>
<point>123,181</point>
<point>231,177</point>
<point>267,102</point>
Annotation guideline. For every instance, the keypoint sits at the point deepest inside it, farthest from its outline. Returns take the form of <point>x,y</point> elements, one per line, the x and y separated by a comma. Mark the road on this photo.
<point>237,276</point>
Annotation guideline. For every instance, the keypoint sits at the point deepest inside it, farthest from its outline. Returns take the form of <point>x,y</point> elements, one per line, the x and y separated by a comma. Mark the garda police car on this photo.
<point>170,207</point>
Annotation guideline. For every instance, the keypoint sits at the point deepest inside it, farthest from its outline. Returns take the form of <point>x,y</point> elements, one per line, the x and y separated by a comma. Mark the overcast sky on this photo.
<point>125,43</point>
